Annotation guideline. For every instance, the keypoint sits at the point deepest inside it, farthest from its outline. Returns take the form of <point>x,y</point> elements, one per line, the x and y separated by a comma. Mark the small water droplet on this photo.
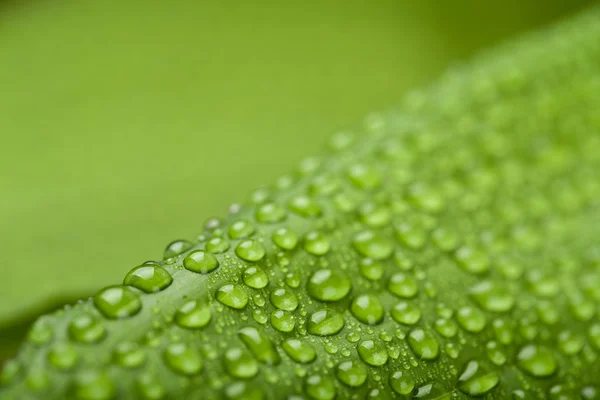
<point>232,295</point>
<point>476,379</point>
<point>352,373</point>
<point>316,244</point>
<point>492,297</point>
<point>373,353</point>
<point>372,245</point>
<point>239,364</point>
<point>299,351</point>
<point>423,344</point>
<point>270,213</point>
<point>367,308</point>
<point>285,238</point>
<point>472,260</point>
<point>176,247</point>
<point>183,358</point>
<point>217,245</point>
<point>193,314</point>
<point>319,387</point>
<point>201,262</point>
<point>129,355</point>
<point>240,229</point>
<point>371,270</point>
<point>93,385</point>
<point>403,285</point>
<point>284,299</point>
<point>305,207</point>
<point>325,322</point>
<point>255,278</point>
<point>405,313</point>
<point>117,302</point>
<point>86,329</point>
<point>471,319</point>
<point>63,356</point>
<point>250,250</point>
<point>149,387</point>
<point>329,284</point>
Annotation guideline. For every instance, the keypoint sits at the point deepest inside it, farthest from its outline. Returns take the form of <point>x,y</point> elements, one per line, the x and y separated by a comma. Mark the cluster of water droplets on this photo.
<point>442,255</point>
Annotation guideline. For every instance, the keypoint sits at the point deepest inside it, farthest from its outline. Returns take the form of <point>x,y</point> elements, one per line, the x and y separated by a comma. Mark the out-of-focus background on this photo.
<point>124,124</point>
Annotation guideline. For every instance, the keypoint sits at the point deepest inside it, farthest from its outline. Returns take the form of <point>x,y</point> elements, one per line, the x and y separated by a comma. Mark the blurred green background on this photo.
<point>125,124</point>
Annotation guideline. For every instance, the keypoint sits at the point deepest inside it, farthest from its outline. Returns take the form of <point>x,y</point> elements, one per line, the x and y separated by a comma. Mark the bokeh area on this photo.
<point>125,124</point>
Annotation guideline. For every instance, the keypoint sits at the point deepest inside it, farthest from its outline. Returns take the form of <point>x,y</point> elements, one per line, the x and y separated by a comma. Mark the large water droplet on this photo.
<point>41,332</point>
<point>148,278</point>
<point>117,302</point>
<point>476,380</point>
<point>364,177</point>
<point>370,269</point>
<point>305,206</point>
<point>63,356</point>
<point>193,314</point>
<point>283,321</point>
<point>372,245</point>
<point>183,358</point>
<point>406,313</point>
<point>285,238</point>
<point>299,351</point>
<point>316,244</point>
<point>403,285</point>
<point>93,385</point>
<point>367,308</point>
<point>319,387</point>
<point>402,383</point>
<point>255,278</point>
<point>241,229</point>
<point>329,284</point>
<point>239,364</point>
<point>472,260</point>
<point>200,261</point>
<point>86,329</point>
<point>471,319</point>
<point>325,322</point>
<point>492,297</point>
<point>260,345</point>
<point>536,360</point>
<point>250,250</point>
<point>423,344</point>
<point>217,245</point>
<point>129,355</point>
<point>176,247</point>
<point>284,299</point>
<point>232,295</point>
<point>270,213</point>
<point>149,387</point>
<point>373,353</point>
<point>352,373</point>
<point>432,391</point>
<point>374,215</point>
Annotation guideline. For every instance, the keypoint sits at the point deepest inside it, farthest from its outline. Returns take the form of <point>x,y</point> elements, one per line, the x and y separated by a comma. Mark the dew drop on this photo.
<point>129,355</point>
<point>371,270</point>
<point>149,387</point>
<point>373,353</point>
<point>319,387</point>
<point>316,244</point>
<point>299,351</point>
<point>367,308</point>
<point>241,229</point>
<point>201,262</point>
<point>492,297</point>
<point>284,299</point>
<point>250,250</point>
<point>325,322</point>
<point>283,321</point>
<point>405,313</point>
<point>63,356</point>
<point>423,344</point>
<point>10,371</point>
<point>255,278</point>
<point>148,278</point>
<point>471,319</point>
<point>402,383</point>
<point>183,359</point>
<point>93,385</point>
<point>285,238</point>
<point>193,314</point>
<point>374,215</point>
<point>305,207</point>
<point>329,284</point>
<point>372,245</point>
<point>86,329</point>
<point>472,260</point>
<point>364,177</point>
<point>445,327</point>
<point>117,302</point>
<point>352,373</point>
<point>403,285</point>
<point>176,247</point>
<point>232,295</point>
<point>270,213</point>
<point>536,360</point>
<point>260,345</point>
<point>217,245</point>
<point>477,380</point>
<point>239,364</point>
<point>41,332</point>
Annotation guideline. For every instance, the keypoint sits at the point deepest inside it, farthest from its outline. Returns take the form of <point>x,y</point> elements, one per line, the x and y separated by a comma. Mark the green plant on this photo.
<point>447,249</point>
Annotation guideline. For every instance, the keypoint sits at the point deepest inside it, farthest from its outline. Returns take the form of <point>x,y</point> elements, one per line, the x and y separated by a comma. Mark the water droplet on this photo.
<point>446,327</point>
<point>325,322</point>
<point>403,285</point>
<point>260,345</point>
<point>589,393</point>
<point>319,387</point>
<point>472,260</point>
<point>495,354</point>
<point>284,299</point>
<point>364,177</point>
<point>547,312</point>
<point>305,207</point>
<point>405,313</point>
<point>373,353</point>
<point>374,215</point>
<point>232,295</point>
<point>41,331</point>
<point>176,247</point>
<point>411,236</point>
<point>536,360</point>
<point>370,269</point>
<point>241,229</point>
<point>329,284</point>
<point>63,356</point>
<point>86,329</point>
<point>423,344</point>
<point>260,316</point>
<point>425,198</point>
<point>372,245</point>
<point>492,297</point>
<point>402,383</point>
<point>299,351</point>
<point>503,331</point>
<point>200,261</point>
<point>255,278</point>
<point>148,278</point>
<point>367,308</point>
<point>316,244</point>
<point>445,239</point>
<point>243,391</point>
<point>37,380</point>
<point>270,213</point>
<point>477,380</point>
<point>250,250</point>
<point>352,373</point>
<point>570,343</point>
<point>285,238</point>
<point>541,284</point>
<point>183,359</point>
<point>149,387</point>
<point>292,279</point>
<point>193,314</point>
<point>93,385</point>
<point>432,391</point>
<point>283,321</point>
<point>129,355</point>
<point>217,245</point>
<point>594,335</point>
<point>471,319</point>
<point>117,302</point>
<point>239,364</point>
